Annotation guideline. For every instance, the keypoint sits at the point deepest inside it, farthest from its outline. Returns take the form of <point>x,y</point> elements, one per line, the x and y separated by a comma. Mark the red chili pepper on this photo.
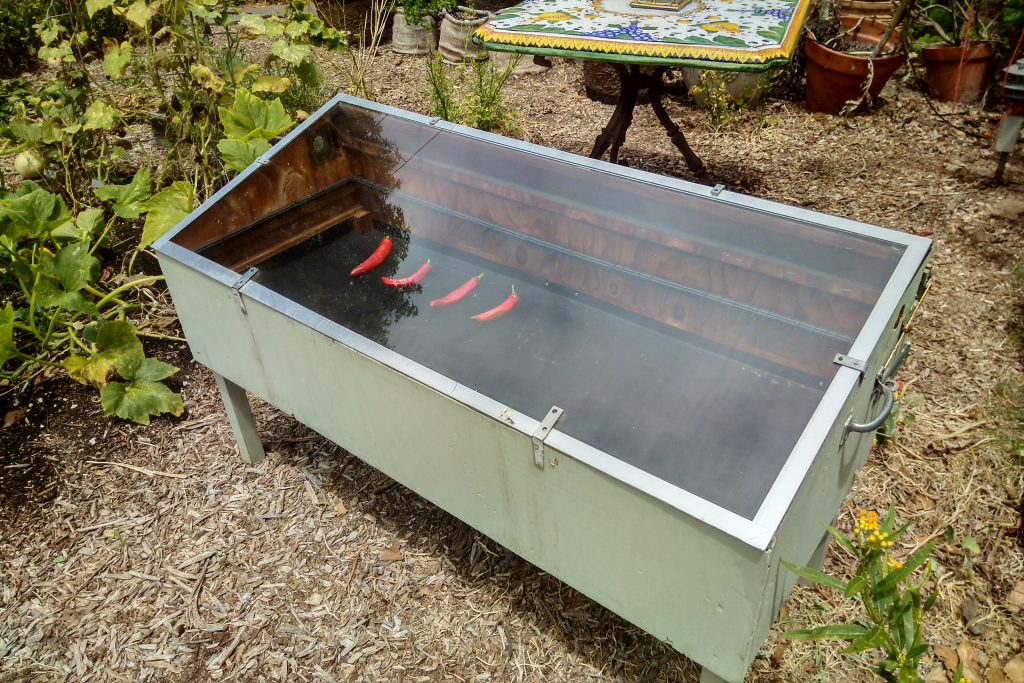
<point>376,258</point>
<point>499,310</point>
<point>458,293</point>
<point>413,279</point>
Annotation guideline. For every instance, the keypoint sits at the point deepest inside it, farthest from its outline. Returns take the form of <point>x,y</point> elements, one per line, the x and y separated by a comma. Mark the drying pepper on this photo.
<point>376,258</point>
<point>458,293</point>
<point>413,279</point>
<point>499,310</point>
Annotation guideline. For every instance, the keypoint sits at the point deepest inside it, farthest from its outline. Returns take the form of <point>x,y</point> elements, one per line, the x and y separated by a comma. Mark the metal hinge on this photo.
<point>854,363</point>
<point>241,282</point>
<point>717,190</point>
<point>262,160</point>
<point>545,427</point>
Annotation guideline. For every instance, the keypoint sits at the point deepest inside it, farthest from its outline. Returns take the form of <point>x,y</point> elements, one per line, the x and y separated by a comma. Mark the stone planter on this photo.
<point>456,43</point>
<point>942,65</point>
<point>527,64</point>
<point>413,39</point>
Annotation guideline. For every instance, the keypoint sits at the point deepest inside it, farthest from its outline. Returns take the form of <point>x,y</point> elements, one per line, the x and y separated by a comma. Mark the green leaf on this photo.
<point>250,117</point>
<point>50,296</point>
<point>117,59</point>
<point>252,24</point>
<point>267,83</point>
<point>730,41</point>
<point>971,546</point>
<point>72,268</point>
<point>31,212</point>
<point>99,116</point>
<point>165,209</point>
<point>92,370</point>
<point>856,585</point>
<point>309,74</point>
<point>239,154</point>
<point>142,396</point>
<point>912,563</point>
<point>836,632</point>
<point>815,576</point>
<point>117,338</point>
<point>127,199</point>
<point>7,348</point>
<point>867,640</point>
<point>137,401</point>
<point>139,13</point>
<point>292,53</point>
<point>206,78</point>
<point>89,221</point>
<point>841,539</point>
<point>94,6</point>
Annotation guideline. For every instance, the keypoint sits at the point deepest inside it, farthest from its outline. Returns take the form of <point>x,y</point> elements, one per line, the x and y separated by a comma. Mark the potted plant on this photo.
<point>414,27</point>
<point>457,28</point>
<point>850,60</point>
<point>948,33</point>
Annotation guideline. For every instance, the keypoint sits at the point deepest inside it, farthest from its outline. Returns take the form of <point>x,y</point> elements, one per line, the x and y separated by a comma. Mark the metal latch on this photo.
<point>541,433</point>
<point>717,190</point>
<point>242,280</point>
<point>848,362</point>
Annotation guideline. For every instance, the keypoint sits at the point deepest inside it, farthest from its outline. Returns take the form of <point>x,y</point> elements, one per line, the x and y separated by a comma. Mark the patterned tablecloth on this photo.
<point>747,35</point>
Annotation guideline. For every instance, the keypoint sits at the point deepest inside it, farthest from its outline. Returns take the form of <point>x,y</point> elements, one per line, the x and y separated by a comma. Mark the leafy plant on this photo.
<point>472,96</point>
<point>415,10</point>
<point>18,39</point>
<point>892,593</point>
<point>62,314</point>
<point>249,125</point>
<point>711,94</point>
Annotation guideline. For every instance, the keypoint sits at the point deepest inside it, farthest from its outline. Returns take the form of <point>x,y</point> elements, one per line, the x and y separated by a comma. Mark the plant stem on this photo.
<point>141,282</point>
<point>898,17</point>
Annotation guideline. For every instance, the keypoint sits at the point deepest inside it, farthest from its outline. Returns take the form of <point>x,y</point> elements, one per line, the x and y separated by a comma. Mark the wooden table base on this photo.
<point>632,81</point>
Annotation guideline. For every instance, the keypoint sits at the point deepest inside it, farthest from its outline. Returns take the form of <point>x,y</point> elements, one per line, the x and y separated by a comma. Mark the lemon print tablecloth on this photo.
<point>726,34</point>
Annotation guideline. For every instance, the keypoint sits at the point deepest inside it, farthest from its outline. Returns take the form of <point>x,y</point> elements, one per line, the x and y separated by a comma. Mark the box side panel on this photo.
<point>214,324</point>
<point>829,480</point>
<point>673,576</point>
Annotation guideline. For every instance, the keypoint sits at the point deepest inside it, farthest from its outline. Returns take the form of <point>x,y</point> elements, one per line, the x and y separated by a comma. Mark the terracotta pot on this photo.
<point>834,78</point>
<point>413,39</point>
<point>456,44</point>
<point>880,10</point>
<point>942,64</point>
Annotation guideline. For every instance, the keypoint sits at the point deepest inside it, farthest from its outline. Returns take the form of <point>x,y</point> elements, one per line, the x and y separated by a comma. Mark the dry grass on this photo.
<point>189,565</point>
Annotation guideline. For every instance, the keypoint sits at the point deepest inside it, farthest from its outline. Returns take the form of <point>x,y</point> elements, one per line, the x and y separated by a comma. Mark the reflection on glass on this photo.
<point>690,338</point>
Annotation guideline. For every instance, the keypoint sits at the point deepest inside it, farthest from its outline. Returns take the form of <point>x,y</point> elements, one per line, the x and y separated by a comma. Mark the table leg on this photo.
<point>240,416</point>
<point>614,133</point>
<point>693,162</point>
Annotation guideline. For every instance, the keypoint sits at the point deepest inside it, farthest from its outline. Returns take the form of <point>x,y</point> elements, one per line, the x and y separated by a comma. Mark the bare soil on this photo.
<point>155,554</point>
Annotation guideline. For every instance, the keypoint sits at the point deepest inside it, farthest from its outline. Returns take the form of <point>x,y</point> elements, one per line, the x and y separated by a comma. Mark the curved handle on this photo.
<point>852,426</point>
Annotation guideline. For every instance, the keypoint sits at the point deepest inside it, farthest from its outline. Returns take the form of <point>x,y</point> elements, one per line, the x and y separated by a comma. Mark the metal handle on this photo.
<point>852,426</point>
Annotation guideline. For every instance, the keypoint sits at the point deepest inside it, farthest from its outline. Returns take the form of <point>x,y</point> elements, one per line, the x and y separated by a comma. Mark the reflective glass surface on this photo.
<point>690,337</point>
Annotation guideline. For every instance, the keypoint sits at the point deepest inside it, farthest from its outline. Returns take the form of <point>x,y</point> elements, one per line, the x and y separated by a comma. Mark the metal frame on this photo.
<point>758,532</point>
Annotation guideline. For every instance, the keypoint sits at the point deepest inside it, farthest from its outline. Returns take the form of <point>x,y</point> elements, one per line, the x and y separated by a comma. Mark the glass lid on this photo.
<point>688,336</point>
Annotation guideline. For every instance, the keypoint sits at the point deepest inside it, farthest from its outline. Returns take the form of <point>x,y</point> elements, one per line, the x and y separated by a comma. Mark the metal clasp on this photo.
<point>717,190</point>
<point>541,433</point>
<point>852,363</point>
<point>242,280</point>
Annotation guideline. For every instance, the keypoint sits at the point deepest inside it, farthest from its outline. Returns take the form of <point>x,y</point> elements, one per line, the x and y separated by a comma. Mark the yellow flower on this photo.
<point>895,564</point>
<point>553,16</point>
<point>722,26</point>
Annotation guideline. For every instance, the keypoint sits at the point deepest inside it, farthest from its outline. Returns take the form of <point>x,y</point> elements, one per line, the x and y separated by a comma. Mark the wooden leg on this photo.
<point>614,133</point>
<point>693,162</point>
<point>240,415</point>
<point>706,676</point>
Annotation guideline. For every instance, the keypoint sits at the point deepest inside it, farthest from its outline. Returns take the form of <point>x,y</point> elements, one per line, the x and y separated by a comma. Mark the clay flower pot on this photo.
<point>942,64</point>
<point>833,78</point>
<point>456,43</point>
<point>412,39</point>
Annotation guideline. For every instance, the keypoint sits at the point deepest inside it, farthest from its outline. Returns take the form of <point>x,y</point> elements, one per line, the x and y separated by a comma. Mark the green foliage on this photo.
<point>18,39</point>
<point>471,94</point>
<point>951,22</point>
<point>249,125</point>
<point>712,96</point>
<point>894,597</point>
<point>415,10</point>
<point>61,314</point>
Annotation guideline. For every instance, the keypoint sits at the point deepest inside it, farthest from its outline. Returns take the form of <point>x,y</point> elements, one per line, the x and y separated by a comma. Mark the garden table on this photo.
<point>736,35</point>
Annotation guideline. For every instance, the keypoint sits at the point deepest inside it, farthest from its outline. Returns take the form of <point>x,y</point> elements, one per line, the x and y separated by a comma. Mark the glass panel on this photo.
<point>689,337</point>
